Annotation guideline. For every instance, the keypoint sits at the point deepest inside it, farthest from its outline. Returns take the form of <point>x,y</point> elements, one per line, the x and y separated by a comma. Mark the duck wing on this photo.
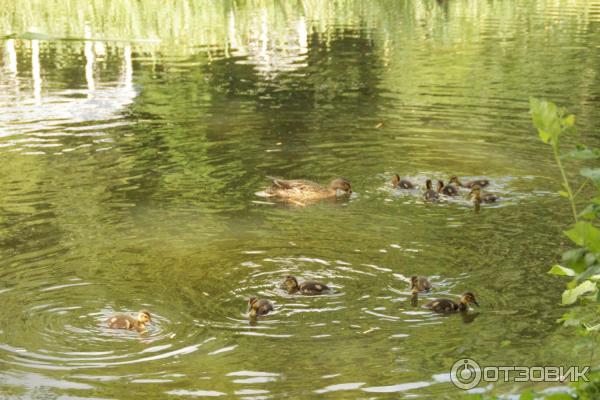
<point>310,287</point>
<point>442,306</point>
<point>299,184</point>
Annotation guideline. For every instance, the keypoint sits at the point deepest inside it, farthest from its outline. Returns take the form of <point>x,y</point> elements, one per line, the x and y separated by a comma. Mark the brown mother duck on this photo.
<point>478,197</point>
<point>430,194</point>
<point>259,307</point>
<point>130,323</point>
<point>447,306</point>
<point>290,284</point>
<point>419,284</point>
<point>301,189</point>
<point>470,184</point>
<point>398,183</point>
<point>447,190</point>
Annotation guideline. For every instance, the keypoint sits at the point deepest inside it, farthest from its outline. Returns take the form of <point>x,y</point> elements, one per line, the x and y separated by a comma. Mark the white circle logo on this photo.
<point>465,374</point>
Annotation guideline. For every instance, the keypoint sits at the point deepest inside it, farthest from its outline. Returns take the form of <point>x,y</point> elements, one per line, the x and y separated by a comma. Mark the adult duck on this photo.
<point>301,189</point>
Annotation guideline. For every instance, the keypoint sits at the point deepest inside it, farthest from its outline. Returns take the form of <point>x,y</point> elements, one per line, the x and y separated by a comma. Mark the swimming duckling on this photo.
<point>419,284</point>
<point>430,194</point>
<point>124,321</point>
<point>300,189</point>
<point>448,190</point>
<point>450,306</point>
<point>307,287</point>
<point>401,183</point>
<point>480,182</point>
<point>477,197</point>
<point>259,307</point>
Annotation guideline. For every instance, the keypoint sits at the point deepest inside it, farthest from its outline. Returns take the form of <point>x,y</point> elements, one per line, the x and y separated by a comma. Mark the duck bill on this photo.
<point>476,303</point>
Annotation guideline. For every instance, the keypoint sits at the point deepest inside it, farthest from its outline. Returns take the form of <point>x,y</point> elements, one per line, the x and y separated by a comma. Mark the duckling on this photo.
<point>450,306</point>
<point>419,284</point>
<point>259,307</point>
<point>430,194</point>
<point>307,287</point>
<point>300,189</point>
<point>479,197</point>
<point>401,183</point>
<point>124,321</point>
<point>469,185</point>
<point>448,190</point>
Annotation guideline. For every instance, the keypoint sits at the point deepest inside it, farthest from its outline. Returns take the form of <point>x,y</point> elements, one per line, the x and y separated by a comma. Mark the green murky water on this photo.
<point>133,138</point>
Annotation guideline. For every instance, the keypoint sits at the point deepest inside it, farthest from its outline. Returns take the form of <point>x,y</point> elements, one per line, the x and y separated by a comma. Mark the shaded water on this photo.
<point>130,163</point>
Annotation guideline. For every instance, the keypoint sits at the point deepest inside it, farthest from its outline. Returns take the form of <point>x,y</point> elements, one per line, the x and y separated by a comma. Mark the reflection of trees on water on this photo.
<point>339,77</point>
<point>39,98</point>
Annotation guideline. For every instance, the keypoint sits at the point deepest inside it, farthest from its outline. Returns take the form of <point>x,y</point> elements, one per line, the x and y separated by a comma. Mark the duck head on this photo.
<point>440,186</point>
<point>475,193</point>
<point>290,284</point>
<point>144,317</point>
<point>341,185</point>
<point>395,180</point>
<point>428,184</point>
<point>468,298</point>
<point>454,179</point>
<point>414,288</point>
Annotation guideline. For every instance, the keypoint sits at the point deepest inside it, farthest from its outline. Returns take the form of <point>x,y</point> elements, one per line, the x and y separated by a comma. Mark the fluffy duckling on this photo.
<point>477,197</point>
<point>447,190</point>
<point>450,306</point>
<point>259,307</point>
<point>307,287</point>
<point>470,184</point>
<point>430,194</point>
<point>124,321</point>
<point>419,284</point>
<point>300,189</point>
<point>401,183</point>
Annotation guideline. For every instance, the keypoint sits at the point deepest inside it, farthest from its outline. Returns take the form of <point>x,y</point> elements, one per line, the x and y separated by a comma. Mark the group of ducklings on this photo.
<point>420,284</point>
<point>290,284</point>
<point>261,307</point>
<point>452,189</point>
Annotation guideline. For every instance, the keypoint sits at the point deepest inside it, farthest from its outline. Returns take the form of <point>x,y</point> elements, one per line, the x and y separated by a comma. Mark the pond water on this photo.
<point>133,138</point>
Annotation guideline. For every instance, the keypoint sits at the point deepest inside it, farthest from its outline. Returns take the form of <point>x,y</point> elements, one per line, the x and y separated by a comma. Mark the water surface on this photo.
<point>133,140</point>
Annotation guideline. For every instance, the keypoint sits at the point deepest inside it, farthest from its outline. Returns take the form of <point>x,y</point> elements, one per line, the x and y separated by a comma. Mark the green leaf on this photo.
<point>563,193</point>
<point>571,296</point>
<point>586,235</point>
<point>593,174</point>
<point>570,319</point>
<point>592,327</point>
<point>582,152</point>
<point>545,136</point>
<point>562,271</point>
<point>574,259</point>
<point>568,121</point>
<point>592,211</point>
<point>590,259</point>
<point>589,274</point>
<point>546,118</point>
